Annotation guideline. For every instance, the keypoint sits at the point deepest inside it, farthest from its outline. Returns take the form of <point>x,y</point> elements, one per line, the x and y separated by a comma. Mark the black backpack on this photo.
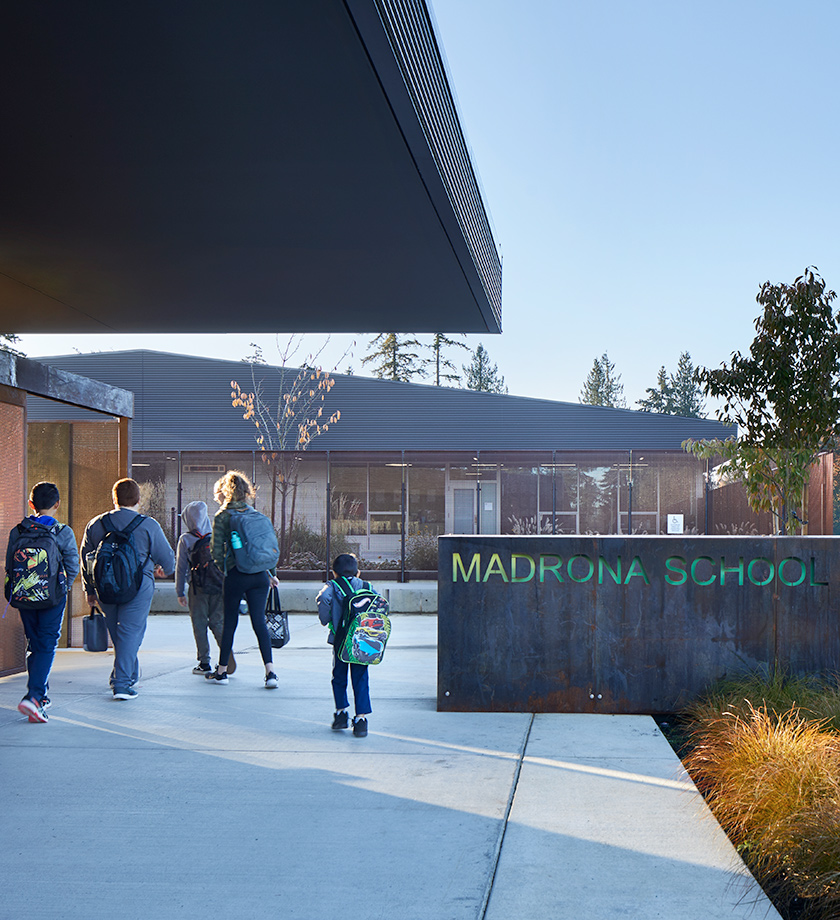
<point>205,575</point>
<point>35,579</point>
<point>114,566</point>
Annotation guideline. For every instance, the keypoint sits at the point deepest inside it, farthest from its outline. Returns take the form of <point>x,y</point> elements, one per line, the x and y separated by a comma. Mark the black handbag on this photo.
<point>276,620</point>
<point>95,631</point>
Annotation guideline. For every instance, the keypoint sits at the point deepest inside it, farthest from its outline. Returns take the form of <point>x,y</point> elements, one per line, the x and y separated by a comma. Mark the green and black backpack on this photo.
<point>364,627</point>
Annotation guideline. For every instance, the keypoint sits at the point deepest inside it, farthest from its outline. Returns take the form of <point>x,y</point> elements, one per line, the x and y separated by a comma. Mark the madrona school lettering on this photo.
<point>581,568</point>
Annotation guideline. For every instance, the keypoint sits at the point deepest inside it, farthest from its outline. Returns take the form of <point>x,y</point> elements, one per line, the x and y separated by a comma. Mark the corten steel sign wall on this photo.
<point>627,624</point>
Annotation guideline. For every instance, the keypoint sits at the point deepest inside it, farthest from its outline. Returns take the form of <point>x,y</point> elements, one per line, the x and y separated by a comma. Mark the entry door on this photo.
<point>463,510</point>
<point>489,523</point>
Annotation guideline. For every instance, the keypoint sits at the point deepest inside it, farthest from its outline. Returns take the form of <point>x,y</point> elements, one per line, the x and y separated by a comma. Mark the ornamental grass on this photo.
<point>771,776</point>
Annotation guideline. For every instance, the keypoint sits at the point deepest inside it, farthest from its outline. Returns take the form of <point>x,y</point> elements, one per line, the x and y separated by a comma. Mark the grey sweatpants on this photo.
<point>206,610</point>
<point>127,626</point>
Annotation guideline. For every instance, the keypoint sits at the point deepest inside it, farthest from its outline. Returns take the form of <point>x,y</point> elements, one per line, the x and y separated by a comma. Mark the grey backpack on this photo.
<point>253,541</point>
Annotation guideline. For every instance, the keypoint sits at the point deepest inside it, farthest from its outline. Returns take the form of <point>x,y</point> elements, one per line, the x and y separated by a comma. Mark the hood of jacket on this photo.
<point>195,518</point>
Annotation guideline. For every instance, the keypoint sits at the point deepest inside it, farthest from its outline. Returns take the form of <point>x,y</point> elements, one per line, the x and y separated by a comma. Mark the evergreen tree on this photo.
<point>675,394</point>
<point>659,398</point>
<point>443,370</point>
<point>396,359</point>
<point>7,340</point>
<point>603,387</point>
<point>256,356</point>
<point>688,395</point>
<point>482,374</point>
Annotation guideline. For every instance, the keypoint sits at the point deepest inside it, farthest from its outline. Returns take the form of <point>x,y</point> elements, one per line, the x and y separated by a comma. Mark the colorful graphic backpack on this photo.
<point>35,579</point>
<point>365,625</point>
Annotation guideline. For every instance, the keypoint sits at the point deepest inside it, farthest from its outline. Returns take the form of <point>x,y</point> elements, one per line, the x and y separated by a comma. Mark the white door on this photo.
<point>489,517</point>
<point>463,509</point>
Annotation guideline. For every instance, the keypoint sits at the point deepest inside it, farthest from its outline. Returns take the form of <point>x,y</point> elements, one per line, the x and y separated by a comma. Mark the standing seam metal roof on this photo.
<point>183,402</point>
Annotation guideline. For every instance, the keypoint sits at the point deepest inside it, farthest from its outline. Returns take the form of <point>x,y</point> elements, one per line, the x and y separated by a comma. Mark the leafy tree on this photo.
<point>784,397</point>
<point>288,425</point>
<point>603,387</point>
<point>481,374</point>
<point>396,359</point>
<point>675,394</point>
<point>444,371</point>
<point>7,340</point>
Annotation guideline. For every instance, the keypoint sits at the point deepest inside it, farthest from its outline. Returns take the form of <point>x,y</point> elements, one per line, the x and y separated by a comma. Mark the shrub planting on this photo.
<point>765,753</point>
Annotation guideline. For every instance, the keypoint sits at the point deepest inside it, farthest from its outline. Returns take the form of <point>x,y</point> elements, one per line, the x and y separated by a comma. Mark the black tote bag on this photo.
<point>276,620</point>
<point>95,631</point>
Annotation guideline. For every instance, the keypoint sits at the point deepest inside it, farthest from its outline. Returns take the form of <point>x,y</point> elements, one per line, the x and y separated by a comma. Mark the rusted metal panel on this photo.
<point>627,624</point>
<point>62,386</point>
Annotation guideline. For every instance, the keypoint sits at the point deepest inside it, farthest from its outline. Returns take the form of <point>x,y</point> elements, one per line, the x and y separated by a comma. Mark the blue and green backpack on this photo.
<point>364,627</point>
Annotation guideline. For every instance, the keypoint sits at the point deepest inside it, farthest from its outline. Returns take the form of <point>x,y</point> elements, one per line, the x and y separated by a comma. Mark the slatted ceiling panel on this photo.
<point>418,55</point>
<point>12,506</point>
<point>183,403</point>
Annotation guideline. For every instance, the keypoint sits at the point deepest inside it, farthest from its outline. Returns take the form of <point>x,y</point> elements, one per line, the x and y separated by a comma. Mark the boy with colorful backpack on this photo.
<point>198,584</point>
<point>335,602</point>
<point>42,563</point>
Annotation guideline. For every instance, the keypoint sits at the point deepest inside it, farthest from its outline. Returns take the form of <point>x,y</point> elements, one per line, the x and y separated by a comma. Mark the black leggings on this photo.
<point>254,588</point>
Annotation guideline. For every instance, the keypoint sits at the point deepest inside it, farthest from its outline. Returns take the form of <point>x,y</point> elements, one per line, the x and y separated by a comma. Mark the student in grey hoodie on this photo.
<point>200,589</point>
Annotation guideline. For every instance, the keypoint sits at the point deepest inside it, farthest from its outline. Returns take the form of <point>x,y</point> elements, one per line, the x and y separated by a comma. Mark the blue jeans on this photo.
<point>361,685</point>
<point>42,629</point>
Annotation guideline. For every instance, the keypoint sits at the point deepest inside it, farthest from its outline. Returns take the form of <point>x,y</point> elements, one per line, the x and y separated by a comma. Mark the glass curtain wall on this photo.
<point>389,508</point>
<point>367,514</point>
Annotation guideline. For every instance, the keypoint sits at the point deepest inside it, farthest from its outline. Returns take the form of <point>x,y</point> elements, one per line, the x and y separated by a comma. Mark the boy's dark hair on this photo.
<point>345,565</point>
<point>126,493</point>
<point>44,495</point>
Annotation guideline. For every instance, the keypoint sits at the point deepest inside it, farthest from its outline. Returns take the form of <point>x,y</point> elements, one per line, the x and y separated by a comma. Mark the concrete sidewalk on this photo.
<point>198,800</point>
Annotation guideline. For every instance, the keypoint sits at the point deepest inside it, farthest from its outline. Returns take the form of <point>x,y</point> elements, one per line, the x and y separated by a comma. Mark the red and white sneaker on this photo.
<point>33,709</point>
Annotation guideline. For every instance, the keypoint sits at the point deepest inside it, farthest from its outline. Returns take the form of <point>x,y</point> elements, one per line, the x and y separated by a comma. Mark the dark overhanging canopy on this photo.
<point>235,165</point>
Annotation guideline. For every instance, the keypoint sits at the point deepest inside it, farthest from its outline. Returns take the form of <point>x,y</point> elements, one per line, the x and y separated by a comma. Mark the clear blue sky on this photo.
<point>646,165</point>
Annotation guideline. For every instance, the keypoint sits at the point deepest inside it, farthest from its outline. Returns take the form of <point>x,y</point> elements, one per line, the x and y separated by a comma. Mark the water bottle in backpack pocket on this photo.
<point>253,541</point>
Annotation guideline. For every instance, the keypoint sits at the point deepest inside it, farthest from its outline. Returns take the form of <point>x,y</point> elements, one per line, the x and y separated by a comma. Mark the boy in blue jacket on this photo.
<point>43,626</point>
<point>330,608</point>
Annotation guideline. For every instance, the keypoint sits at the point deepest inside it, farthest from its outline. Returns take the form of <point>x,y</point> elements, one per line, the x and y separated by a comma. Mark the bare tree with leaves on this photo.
<point>784,397</point>
<point>288,424</point>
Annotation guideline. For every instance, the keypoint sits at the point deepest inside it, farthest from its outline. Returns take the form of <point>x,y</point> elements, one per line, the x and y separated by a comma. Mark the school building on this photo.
<point>407,462</point>
<point>221,167</point>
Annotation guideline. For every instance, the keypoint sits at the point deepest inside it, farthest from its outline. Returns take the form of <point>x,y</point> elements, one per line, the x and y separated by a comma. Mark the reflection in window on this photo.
<point>426,494</point>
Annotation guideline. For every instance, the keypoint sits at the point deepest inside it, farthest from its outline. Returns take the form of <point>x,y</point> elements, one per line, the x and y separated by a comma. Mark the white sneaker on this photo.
<point>271,681</point>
